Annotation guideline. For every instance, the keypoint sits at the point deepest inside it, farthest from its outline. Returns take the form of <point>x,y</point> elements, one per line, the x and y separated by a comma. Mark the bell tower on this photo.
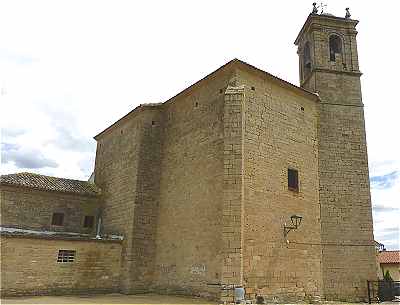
<point>327,49</point>
<point>328,65</point>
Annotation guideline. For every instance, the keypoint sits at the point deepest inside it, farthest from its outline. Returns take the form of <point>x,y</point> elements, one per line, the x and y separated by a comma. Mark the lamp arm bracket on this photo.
<point>287,229</point>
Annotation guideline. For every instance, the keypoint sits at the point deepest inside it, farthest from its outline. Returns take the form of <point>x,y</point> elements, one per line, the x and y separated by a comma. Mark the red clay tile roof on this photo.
<point>389,257</point>
<point>48,183</point>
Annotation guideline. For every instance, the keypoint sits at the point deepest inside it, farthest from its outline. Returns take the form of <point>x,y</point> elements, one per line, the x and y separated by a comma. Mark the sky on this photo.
<point>69,69</point>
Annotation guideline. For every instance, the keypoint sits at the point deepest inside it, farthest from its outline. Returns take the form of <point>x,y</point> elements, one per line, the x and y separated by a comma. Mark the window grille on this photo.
<point>66,256</point>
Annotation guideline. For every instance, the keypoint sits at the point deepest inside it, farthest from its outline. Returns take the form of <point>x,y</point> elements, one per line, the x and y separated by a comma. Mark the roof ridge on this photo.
<point>389,257</point>
<point>50,183</point>
<point>276,77</point>
<point>233,61</point>
<point>41,175</point>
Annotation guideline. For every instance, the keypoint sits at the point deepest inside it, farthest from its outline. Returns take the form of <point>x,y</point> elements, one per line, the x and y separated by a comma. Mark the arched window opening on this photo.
<point>307,59</point>
<point>335,46</point>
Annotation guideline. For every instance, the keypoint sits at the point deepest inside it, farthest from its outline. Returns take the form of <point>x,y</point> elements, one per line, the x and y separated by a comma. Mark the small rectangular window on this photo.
<point>293,180</point>
<point>58,219</point>
<point>66,256</point>
<point>88,222</point>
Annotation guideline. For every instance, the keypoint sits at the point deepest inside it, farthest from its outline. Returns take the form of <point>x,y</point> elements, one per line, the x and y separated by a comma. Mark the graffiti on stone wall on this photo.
<point>198,269</point>
<point>167,268</point>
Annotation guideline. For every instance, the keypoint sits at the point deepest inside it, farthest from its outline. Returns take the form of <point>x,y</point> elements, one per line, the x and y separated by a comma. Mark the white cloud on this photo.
<point>385,201</point>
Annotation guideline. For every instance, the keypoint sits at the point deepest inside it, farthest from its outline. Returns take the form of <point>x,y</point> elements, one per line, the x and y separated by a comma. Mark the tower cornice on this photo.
<point>355,73</point>
<point>314,19</point>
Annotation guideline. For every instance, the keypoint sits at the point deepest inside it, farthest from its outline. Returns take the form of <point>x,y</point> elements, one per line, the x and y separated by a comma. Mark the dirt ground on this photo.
<point>121,299</point>
<point>115,298</point>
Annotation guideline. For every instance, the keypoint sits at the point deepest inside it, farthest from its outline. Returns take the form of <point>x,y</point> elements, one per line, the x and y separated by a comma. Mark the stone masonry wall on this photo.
<point>29,208</point>
<point>347,232</point>
<point>147,201</point>
<point>280,133</point>
<point>127,171</point>
<point>189,234</point>
<point>30,267</point>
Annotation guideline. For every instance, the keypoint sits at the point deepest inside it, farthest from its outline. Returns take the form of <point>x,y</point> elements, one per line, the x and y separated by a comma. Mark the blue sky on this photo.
<point>68,69</point>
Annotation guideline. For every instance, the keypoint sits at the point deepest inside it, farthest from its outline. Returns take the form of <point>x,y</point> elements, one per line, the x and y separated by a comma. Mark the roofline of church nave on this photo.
<point>232,62</point>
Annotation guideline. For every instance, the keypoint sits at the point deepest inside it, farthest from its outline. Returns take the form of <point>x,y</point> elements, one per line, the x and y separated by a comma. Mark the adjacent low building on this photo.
<point>32,201</point>
<point>389,261</point>
<point>49,243</point>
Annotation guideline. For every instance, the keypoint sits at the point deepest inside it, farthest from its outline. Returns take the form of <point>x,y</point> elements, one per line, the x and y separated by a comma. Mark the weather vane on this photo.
<point>322,6</point>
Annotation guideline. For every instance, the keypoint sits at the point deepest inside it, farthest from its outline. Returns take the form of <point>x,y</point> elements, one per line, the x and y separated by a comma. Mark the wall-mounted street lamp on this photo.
<point>296,221</point>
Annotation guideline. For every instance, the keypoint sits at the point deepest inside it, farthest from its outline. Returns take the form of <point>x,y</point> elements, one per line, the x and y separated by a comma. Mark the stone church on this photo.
<point>241,179</point>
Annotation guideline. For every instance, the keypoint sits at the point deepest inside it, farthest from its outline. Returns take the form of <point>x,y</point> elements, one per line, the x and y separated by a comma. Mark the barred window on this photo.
<point>66,256</point>
<point>57,219</point>
<point>293,179</point>
<point>88,222</point>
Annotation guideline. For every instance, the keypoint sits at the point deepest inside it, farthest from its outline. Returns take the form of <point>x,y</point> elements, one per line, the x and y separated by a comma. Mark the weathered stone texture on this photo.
<point>280,133</point>
<point>31,208</point>
<point>345,203</point>
<point>217,198</point>
<point>189,239</point>
<point>348,258</point>
<point>30,267</point>
<point>127,171</point>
